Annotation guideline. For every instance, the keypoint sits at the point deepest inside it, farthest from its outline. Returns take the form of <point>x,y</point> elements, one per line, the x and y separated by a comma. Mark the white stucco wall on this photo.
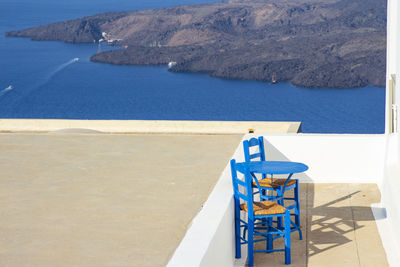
<point>331,158</point>
<point>389,228</point>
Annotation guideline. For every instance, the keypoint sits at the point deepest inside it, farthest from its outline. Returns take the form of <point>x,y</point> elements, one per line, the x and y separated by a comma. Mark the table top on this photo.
<point>272,167</point>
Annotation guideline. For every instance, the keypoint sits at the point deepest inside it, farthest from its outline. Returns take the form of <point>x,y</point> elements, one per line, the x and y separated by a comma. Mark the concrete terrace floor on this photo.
<point>102,199</point>
<point>338,227</point>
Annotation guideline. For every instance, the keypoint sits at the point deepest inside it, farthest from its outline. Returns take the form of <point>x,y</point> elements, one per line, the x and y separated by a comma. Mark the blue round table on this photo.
<point>272,167</point>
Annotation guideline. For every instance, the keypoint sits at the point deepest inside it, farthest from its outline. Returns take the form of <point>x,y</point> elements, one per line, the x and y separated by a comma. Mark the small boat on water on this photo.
<point>171,64</point>
<point>9,87</point>
<point>274,80</point>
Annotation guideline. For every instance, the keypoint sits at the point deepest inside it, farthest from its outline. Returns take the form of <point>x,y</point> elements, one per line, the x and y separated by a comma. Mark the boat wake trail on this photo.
<point>62,66</point>
<point>28,91</point>
<point>58,69</point>
<point>6,90</point>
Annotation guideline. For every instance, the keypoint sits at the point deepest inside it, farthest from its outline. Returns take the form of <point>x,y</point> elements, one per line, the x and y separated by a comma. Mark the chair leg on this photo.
<point>297,209</point>
<point>287,237</point>
<point>237,231</point>
<point>279,192</point>
<point>263,193</point>
<point>270,240</point>
<point>250,242</point>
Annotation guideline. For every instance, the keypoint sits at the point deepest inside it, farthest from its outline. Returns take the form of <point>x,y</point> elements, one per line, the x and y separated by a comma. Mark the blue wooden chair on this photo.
<point>274,184</point>
<point>257,213</point>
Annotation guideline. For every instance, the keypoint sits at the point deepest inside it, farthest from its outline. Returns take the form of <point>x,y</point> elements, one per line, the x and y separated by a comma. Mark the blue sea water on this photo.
<point>48,83</point>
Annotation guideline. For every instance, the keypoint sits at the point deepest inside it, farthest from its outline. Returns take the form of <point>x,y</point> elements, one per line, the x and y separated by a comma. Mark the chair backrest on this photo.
<point>242,189</point>
<point>248,145</point>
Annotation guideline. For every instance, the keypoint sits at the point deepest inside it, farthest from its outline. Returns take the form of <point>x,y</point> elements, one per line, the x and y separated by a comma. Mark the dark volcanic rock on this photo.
<point>352,72</point>
<point>312,43</point>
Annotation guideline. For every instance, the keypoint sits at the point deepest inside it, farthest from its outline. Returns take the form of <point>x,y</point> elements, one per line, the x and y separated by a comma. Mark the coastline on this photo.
<point>312,45</point>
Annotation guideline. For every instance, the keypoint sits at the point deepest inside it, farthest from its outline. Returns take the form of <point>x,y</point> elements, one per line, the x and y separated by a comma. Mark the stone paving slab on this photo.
<point>338,229</point>
<point>103,200</point>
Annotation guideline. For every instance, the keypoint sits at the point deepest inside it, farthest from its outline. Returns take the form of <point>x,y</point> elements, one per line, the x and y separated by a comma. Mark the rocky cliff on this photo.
<point>312,43</point>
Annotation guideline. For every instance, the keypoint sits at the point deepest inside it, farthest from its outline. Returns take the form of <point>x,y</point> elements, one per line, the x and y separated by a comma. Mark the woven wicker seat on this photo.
<point>265,208</point>
<point>266,182</point>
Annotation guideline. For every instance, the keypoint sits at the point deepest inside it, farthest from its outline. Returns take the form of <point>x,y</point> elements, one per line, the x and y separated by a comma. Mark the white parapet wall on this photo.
<point>209,241</point>
<point>331,158</point>
<point>148,126</point>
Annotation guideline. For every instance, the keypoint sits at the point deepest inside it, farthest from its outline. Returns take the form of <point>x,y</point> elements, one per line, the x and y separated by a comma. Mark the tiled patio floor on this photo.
<point>338,229</point>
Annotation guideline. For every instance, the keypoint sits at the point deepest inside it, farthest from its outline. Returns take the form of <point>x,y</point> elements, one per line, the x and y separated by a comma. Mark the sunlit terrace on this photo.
<point>142,200</point>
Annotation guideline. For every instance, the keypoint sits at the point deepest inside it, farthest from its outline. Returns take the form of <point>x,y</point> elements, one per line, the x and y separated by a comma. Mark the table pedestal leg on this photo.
<point>297,208</point>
